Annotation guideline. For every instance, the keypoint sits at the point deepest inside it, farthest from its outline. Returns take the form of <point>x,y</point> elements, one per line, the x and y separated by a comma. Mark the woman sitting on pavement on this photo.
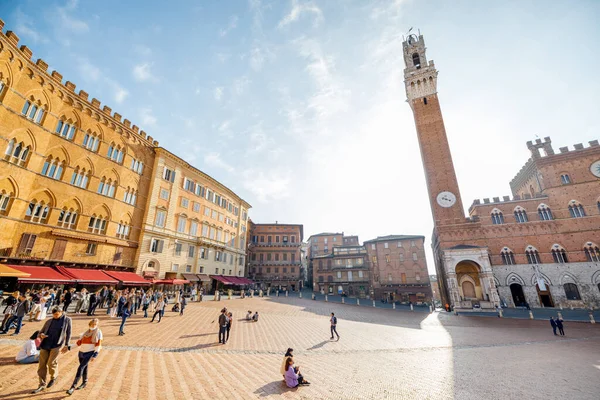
<point>255,317</point>
<point>288,354</point>
<point>29,353</point>
<point>293,378</point>
<point>249,315</point>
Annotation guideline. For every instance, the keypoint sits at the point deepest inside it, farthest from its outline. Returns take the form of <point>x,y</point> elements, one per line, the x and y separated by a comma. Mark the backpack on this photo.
<point>335,320</point>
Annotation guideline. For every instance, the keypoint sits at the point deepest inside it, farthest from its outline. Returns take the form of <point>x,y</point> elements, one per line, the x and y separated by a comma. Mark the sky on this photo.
<point>299,106</point>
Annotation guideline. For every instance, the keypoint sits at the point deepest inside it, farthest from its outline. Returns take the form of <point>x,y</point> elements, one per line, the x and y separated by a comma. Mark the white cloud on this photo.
<point>147,117</point>
<point>142,73</point>
<point>302,8</point>
<point>240,85</point>
<point>88,70</point>
<point>267,186</point>
<point>119,93</point>
<point>233,20</point>
<point>68,21</point>
<point>218,93</point>
<point>213,159</point>
<point>257,59</point>
<point>24,27</point>
<point>143,50</point>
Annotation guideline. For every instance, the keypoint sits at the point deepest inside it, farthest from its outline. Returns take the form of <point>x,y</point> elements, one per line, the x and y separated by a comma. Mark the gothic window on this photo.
<point>4,202</point>
<point>576,210</point>
<point>80,177</point>
<point>497,217</point>
<point>37,212</point>
<point>16,153</point>
<point>592,251</point>
<point>97,224</point>
<point>65,129</point>
<point>508,257</point>
<point>53,168</point>
<point>565,179</point>
<point>123,230</point>
<point>2,87</point>
<point>571,291</point>
<point>107,187</point>
<point>115,153</point>
<point>130,196</point>
<point>416,60</point>
<point>32,111</point>
<point>520,215</point>
<point>91,141</point>
<point>559,254</point>
<point>67,218</point>
<point>533,257</point>
<point>545,213</point>
<point>137,166</point>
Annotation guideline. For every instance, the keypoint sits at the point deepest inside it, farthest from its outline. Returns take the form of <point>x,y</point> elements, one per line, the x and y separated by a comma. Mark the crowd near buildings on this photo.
<point>88,197</point>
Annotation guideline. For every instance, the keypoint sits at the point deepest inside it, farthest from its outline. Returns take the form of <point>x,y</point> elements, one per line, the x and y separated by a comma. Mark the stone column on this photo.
<point>453,289</point>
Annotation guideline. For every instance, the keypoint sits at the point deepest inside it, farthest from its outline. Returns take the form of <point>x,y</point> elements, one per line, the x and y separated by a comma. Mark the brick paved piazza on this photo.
<point>382,354</point>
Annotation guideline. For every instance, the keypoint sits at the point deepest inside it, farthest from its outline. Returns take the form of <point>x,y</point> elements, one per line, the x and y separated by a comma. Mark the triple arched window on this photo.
<point>91,141</point>
<point>576,209</point>
<point>97,224</point>
<point>559,254</point>
<point>67,218</point>
<point>115,153</point>
<point>545,213</point>
<point>53,168</point>
<point>81,177</point>
<point>130,196</point>
<point>107,187</point>
<point>65,129</point>
<point>32,111</point>
<point>508,257</point>
<point>533,257</point>
<point>123,230</point>
<point>592,252</point>
<point>520,215</point>
<point>17,153</point>
<point>497,217</point>
<point>37,212</point>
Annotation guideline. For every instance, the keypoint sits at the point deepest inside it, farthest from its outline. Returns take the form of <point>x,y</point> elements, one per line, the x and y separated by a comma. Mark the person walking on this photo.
<point>333,321</point>
<point>125,313</point>
<point>80,300</point>
<point>56,337</point>
<point>158,310</point>
<point>183,304</point>
<point>222,325</point>
<point>94,300</point>
<point>89,344</point>
<point>229,322</point>
<point>68,298</point>
<point>553,324</point>
<point>22,308</point>
<point>559,325</point>
<point>146,302</point>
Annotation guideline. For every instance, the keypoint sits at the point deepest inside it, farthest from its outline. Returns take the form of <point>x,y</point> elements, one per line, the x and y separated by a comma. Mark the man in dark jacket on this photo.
<point>553,324</point>
<point>559,325</point>
<point>23,307</point>
<point>56,336</point>
<point>222,325</point>
<point>68,299</point>
<point>93,304</point>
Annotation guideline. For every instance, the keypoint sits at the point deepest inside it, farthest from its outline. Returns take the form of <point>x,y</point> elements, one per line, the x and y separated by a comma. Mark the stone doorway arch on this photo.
<point>518,295</point>
<point>469,280</point>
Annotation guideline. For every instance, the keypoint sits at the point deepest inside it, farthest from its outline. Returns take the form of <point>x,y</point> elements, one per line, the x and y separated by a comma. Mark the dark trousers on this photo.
<point>228,329</point>
<point>134,307</point>
<point>123,319</point>
<point>66,305</point>
<point>222,331</point>
<point>145,310</point>
<point>561,330</point>
<point>554,329</point>
<point>333,329</point>
<point>84,360</point>
<point>13,319</point>
<point>92,309</point>
<point>159,313</point>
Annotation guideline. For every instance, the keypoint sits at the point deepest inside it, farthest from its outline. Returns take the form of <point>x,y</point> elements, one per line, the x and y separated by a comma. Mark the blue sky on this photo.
<point>299,106</point>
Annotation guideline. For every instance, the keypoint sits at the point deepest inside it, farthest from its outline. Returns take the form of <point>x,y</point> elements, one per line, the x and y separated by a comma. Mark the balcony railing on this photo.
<point>275,263</point>
<point>276,244</point>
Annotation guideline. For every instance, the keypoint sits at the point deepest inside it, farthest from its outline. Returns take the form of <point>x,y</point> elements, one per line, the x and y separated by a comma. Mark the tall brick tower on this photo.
<point>420,78</point>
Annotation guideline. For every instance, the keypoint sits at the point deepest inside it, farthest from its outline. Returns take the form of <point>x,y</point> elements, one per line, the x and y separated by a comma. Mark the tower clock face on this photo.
<point>595,168</point>
<point>446,199</point>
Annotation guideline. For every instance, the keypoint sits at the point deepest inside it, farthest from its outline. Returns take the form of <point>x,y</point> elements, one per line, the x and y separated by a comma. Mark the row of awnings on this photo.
<point>62,275</point>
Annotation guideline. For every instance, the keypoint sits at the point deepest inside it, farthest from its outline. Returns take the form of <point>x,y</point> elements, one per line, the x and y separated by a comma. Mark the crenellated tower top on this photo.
<point>420,76</point>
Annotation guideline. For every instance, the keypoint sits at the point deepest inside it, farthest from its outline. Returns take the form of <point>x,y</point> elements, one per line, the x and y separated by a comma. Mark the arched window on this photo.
<point>37,212</point>
<point>571,291</point>
<point>330,278</point>
<point>123,230</point>
<point>416,60</point>
<point>91,141</point>
<point>533,257</point>
<point>107,187</point>
<point>4,202</point>
<point>565,179</point>
<point>508,257</point>
<point>33,111</point>
<point>497,217</point>
<point>16,153</point>
<point>53,168</point>
<point>545,213</point>
<point>592,252</point>
<point>576,209</point>
<point>130,196</point>
<point>81,178</point>
<point>559,254</point>
<point>65,129</point>
<point>97,224</point>
<point>115,153</point>
<point>67,218</point>
<point>520,215</point>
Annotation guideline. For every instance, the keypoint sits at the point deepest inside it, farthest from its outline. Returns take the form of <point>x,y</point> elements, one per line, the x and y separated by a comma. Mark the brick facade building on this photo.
<point>275,256</point>
<point>538,246</point>
<point>399,268</point>
<point>343,270</point>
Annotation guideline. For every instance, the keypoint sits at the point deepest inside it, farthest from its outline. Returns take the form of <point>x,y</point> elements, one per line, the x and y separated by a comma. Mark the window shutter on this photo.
<point>23,243</point>
<point>159,246</point>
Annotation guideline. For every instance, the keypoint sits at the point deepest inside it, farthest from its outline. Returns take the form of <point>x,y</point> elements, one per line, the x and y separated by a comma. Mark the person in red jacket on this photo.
<point>89,344</point>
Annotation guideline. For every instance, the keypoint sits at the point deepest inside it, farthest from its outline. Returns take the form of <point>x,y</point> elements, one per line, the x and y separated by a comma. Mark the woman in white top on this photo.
<point>29,353</point>
<point>160,305</point>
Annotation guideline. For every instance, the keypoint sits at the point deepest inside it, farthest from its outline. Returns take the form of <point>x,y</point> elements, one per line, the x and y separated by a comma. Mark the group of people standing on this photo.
<point>225,321</point>
<point>557,324</point>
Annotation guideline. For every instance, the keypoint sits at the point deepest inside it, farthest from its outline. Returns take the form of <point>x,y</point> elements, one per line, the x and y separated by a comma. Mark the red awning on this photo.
<point>246,281</point>
<point>224,279</point>
<point>169,282</point>
<point>42,275</point>
<point>128,278</point>
<point>88,276</point>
